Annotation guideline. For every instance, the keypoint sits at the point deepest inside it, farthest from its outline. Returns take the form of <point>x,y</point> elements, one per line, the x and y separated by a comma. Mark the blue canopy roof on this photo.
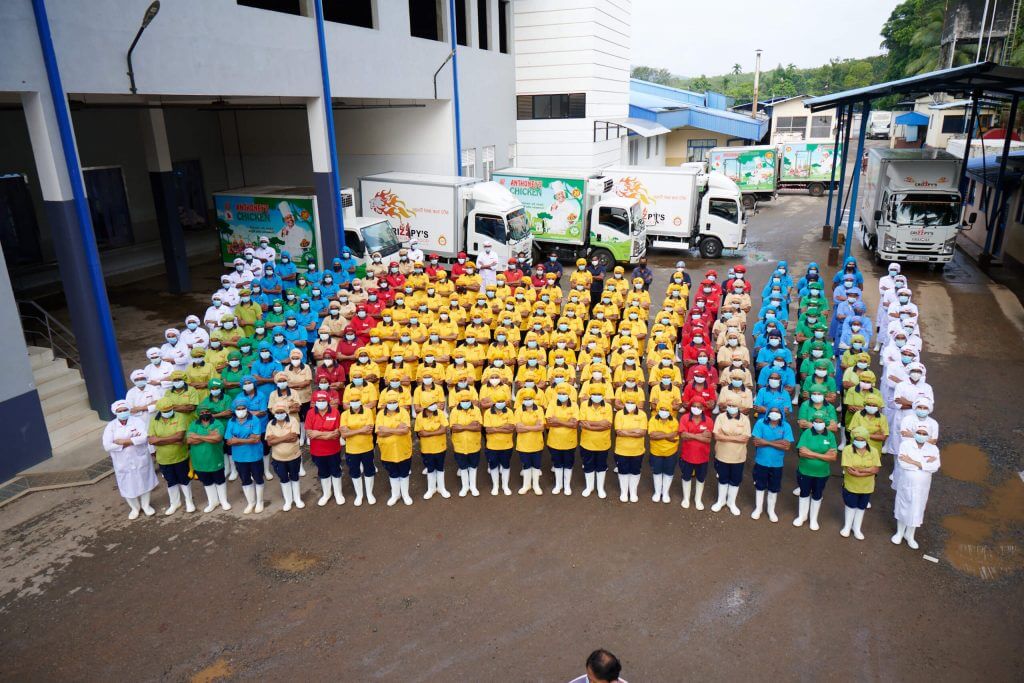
<point>676,108</point>
<point>912,118</point>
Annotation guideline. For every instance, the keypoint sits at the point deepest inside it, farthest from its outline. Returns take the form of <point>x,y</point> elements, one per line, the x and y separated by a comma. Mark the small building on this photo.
<point>792,121</point>
<point>982,173</point>
<point>948,117</point>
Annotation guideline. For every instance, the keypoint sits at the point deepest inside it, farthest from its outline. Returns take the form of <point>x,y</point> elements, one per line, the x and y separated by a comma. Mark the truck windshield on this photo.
<point>381,237</point>
<point>637,214</point>
<point>927,209</point>
<point>518,226</point>
<point>614,217</point>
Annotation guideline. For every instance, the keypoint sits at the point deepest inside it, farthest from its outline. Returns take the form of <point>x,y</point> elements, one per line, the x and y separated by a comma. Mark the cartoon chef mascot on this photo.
<point>565,210</point>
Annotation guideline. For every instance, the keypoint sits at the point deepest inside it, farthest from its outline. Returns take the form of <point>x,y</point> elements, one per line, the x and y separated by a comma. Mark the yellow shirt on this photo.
<point>360,443</point>
<point>366,393</point>
<point>664,447</point>
<point>465,442</point>
<point>428,422</point>
<point>562,438</point>
<point>492,418</point>
<point>394,448</point>
<point>630,445</point>
<point>600,439</point>
<point>635,395</point>
<point>424,396</point>
<point>502,392</point>
<point>529,442</point>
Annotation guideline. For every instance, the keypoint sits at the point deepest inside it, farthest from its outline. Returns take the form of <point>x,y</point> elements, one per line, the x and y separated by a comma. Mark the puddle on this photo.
<point>218,670</point>
<point>972,546</point>
<point>292,564</point>
<point>965,462</point>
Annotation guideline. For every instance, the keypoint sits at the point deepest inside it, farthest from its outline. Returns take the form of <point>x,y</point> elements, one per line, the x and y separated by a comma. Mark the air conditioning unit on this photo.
<point>599,186</point>
<point>348,203</point>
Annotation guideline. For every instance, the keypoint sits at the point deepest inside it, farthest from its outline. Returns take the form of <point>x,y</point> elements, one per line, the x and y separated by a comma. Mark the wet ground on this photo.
<point>523,588</point>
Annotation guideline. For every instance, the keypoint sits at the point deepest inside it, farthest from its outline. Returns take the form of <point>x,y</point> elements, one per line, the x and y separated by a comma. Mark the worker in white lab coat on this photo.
<point>125,439</point>
<point>142,397</point>
<point>904,395</point>
<point>918,459</point>
<point>415,253</point>
<point>265,252</point>
<point>173,351</point>
<point>216,311</point>
<point>158,372</point>
<point>194,334</point>
<point>488,262</point>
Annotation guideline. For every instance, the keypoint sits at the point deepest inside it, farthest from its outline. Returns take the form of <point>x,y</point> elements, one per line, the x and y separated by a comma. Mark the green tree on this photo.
<point>652,75</point>
<point>701,83</point>
<point>737,69</point>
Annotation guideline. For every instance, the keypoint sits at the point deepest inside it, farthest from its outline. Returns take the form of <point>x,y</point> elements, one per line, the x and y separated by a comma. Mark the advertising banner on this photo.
<point>807,161</point>
<point>753,169</point>
<point>420,212</point>
<point>289,221</point>
<point>554,206</point>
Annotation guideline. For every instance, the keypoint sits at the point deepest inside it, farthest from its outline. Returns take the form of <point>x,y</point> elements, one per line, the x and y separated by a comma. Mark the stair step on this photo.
<point>39,356</point>
<point>75,430</point>
<point>72,413</point>
<point>63,399</point>
<point>55,386</point>
<point>52,369</point>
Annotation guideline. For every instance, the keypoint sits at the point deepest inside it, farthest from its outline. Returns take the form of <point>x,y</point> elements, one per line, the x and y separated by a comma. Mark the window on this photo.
<point>467,166</point>
<point>614,217</point>
<point>561,106</point>
<point>647,152</point>
<point>697,150</point>
<point>725,208</point>
<point>633,150</point>
<point>285,6</point>
<point>351,12</point>
<point>488,162</point>
<point>353,243</point>
<point>953,123</point>
<point>483,24</point>
<point>970,192</point>
<point>793,126</point>
<point>503,9</point>
<point>461,23</point>
<point>821,126</point>
<point>426,19</point>
<point>491,226</point>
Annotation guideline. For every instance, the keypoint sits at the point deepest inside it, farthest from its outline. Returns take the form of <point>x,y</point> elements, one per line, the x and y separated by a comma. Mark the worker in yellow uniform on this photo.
<point>432,428</point>
<point>394,437</point>
<point>596,420</point>
<point>500,427</point>
<point>529,421</point>
<point>465,423</point>
<point>663,431</point>
<point>630,433</point>
<point>356,428</point>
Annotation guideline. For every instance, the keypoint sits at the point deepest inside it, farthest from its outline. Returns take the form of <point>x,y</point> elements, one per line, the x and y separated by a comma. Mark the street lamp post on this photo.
<point>151,13</point>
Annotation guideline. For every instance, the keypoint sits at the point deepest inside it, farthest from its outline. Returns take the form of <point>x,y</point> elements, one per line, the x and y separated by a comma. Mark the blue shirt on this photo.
<point>786,375</point>
<point>246,452</point>
<point>553,267</point>
<point>767,354</point>
<point>281,352</point>
<point>330,290</point>
<point>272,282</point>
<point>257,402</point>
<point>314,277</point>
<point>773,398</point>
<point>596,285</point>
<point>346,263</point>
<point>769,456</point>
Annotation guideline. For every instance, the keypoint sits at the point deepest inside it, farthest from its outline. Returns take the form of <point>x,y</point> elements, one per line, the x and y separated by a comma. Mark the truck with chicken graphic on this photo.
<point>753,169</point>
<point>806,165</point>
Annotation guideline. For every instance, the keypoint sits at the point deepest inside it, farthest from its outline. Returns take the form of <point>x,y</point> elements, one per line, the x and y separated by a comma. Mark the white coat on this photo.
<point>908,391</point>
<point>265,254</point>
<point>416,255</point>
<point>886,295</point>
<point>913,484</point>
<point>193,338</point>
<point>488,266</point>
<point>176,354</point>
<point>133,466</point>
<point>161,374</point>
<point>139,398</point>
<point>229,295</point>
<point>213,315</point>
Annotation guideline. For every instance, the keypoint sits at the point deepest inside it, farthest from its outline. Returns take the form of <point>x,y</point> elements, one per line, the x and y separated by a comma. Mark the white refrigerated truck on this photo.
<point>448,214</point>
<point>685,208</point>
<point>910,209</point>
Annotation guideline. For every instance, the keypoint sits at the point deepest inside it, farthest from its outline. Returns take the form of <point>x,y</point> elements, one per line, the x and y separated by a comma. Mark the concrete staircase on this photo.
<point>69,419</point>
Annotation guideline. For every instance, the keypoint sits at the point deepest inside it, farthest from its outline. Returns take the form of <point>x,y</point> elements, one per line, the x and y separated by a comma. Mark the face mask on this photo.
<point>915,376</point>
<point>921,413</point>
<point>296,362</point>
<point>324,337</point>
<point>779,364</point>
<point>139,383</point>
<point>167,414</point>
<point>191,326</point>
<point>865,386</point>
<point>698,340</point>
<point>904,299</point>
<point>736,383</point>
<point>465,405</point>
<point>394,385</point>
<point>323,386</point>
<point>234,363</point>
<point>819,426</point>
<point>871,410</point>
<point>817,398</point>
<point>214,344</point>
<point>357,381</point>
<point>265,355</point>
<point>241,413</point>
<point>392,406</point>
<point>906,360</point>
<point>281,385</point>
<point>817,353</point>
<point>819,334</point>
<point>920,438</point>
<point>248,386</point>
<point>179,384</point>
<point>820,373</point>
<point>321,405</point>
<point>774,383</point>
<point>596,399</point>
<point>773,342</point>
<point>732,410</point>
<point>123,415</point>
<point>696,410</point>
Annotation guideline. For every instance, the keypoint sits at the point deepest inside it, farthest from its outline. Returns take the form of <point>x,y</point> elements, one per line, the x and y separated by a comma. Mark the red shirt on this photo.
<point>710,369</point>
<point>395,280</point>
<point>538,280</point>
<point>334,374</point>
<point>433,271</point>
<point>362,327</point>
<point>706,396</point>
<point>513,275</point>
<point>691,350</point>
<point>457,270</point>
<point>695,452</point>
<point>327,422</point>
<point>374,309</point>
<point>349,348</point>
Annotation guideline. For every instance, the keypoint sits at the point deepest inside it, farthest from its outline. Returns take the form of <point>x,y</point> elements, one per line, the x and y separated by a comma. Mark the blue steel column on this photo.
<point>833,250</point>
<point>455,87</point>
<point>866,109</point>
<point>826,229</point>
<point>77,255</point>
<point>962,183</point>
<point>329,251</point>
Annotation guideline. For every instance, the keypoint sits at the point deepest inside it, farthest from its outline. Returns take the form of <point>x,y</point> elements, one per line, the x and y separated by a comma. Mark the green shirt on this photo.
<point>187,396</point>
<point>247,315</point>
<point>805,348</point>
<point>851,458</point>
<point>817,443</point>
<point>216,405</point>
<point>207,457</point>
<point>807,410</point>
<point>829,383</point>
<point>161,426</point>
<point>229,375</point>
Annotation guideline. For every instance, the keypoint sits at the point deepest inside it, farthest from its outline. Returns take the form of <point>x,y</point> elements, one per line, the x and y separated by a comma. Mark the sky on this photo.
<point>694,37</point>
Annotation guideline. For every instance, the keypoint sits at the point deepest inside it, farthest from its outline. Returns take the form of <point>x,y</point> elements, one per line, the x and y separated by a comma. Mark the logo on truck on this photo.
<point>633,188</point>
<point>387,203</point>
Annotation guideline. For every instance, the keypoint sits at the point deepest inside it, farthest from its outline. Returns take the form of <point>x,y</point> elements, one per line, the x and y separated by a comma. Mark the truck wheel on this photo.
<point>748,202</point>
<point>604,259</point>
<point>815,189</point>
<point>710,248</point>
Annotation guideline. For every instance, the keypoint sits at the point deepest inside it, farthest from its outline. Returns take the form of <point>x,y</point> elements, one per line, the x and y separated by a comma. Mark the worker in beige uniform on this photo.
<point>731,432</point>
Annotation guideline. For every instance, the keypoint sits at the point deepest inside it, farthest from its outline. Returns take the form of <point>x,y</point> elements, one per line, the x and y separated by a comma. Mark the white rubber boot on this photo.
<point>147,508</point>
<point>687,485</point>
<point>222,494</point>
<point>357,486</point>
<point>174,496</point>
<point>186,493</point>
<point>698,496</point>
<point>339,496</point>
<point>656,479</point>
<point>796,491</point>
<point>803,506</point>
<point>133,503</point>
<point>297,494</point>
<point>527,481</point>
<point>232,470</point>
<point>473,490</point>
<point>623,488</point>
<point>268,471</point>
<point>403,486</point>
<point>558,481</point>
<point>901,529</point>
<point>259,498</point>
<point>666,488</point>
<point>600,485</point>
<point>733,492</point>
<point>211,498</point>
<point>588,478</point>
<point>396,490</point>
<point>634,484</point>
<point>535,478</point>
<point>439,480</point>
<point>847,522</point>
<point>723,493</point>
<point>858,519</point>
<point>506,474</point>
<point>772,497</point>
<point>495,476</point>
<point>815,508</point>
<point>431,486</point>
<point>250,498</point>
<point>286,492</point>
<point>911,530</point>
<point>758,504</point>
<point>464,478</point>
<point>567,480</point>
<point>325,484</point>
<point>302,468</point>
<point>368,490</point>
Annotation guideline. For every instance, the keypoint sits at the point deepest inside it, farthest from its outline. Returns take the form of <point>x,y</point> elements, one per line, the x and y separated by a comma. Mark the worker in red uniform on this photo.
<point>322,428</point>
<point>348,348</point>
<point>698,342</point>
<point>711,292</point>
<point>362,323</point>
<point>700,391</point>
<point>459,267</point>
<point>333,370</point>
<point>539,279</point>
<point>374,306</point>
<point>741,275</point>
<point>704,363</point>
<point>322,383</point>
<point>696,318</point>
<point>434,267</point>
<point>385,291</point>
<point>394,277</point>
<point>513,273</point>
<point>695,429</point>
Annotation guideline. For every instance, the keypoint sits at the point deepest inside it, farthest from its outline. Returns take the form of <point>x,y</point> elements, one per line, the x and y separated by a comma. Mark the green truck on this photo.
<point>761,171</point>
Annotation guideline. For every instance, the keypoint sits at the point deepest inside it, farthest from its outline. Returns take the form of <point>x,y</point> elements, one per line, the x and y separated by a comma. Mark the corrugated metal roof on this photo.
<point>912,118</point>
<point>986,169</point>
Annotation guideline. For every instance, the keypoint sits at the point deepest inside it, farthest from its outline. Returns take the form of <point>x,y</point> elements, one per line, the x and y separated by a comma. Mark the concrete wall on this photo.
<point>796,107</point>
<point>650,151</point>
<point>1013,236</point>
<point>678,139</point>
<point>567,46</point>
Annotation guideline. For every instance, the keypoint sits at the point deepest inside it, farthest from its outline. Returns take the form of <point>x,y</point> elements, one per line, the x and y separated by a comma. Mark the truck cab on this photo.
<point>493,214</point>
<point>615,225</point>
<point>722,222</point>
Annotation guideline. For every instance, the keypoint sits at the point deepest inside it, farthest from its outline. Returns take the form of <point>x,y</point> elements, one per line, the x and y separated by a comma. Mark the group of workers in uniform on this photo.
<point>500,365</point>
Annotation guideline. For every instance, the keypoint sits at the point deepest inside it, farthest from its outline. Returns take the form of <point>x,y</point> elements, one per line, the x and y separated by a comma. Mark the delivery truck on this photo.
<point>578,214</point>
<point>448,214</point>
<point>753,169</point>
<point>806,165</point>
<point>879,125</point>
<point>685,208</point>
<point>910,208</point>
